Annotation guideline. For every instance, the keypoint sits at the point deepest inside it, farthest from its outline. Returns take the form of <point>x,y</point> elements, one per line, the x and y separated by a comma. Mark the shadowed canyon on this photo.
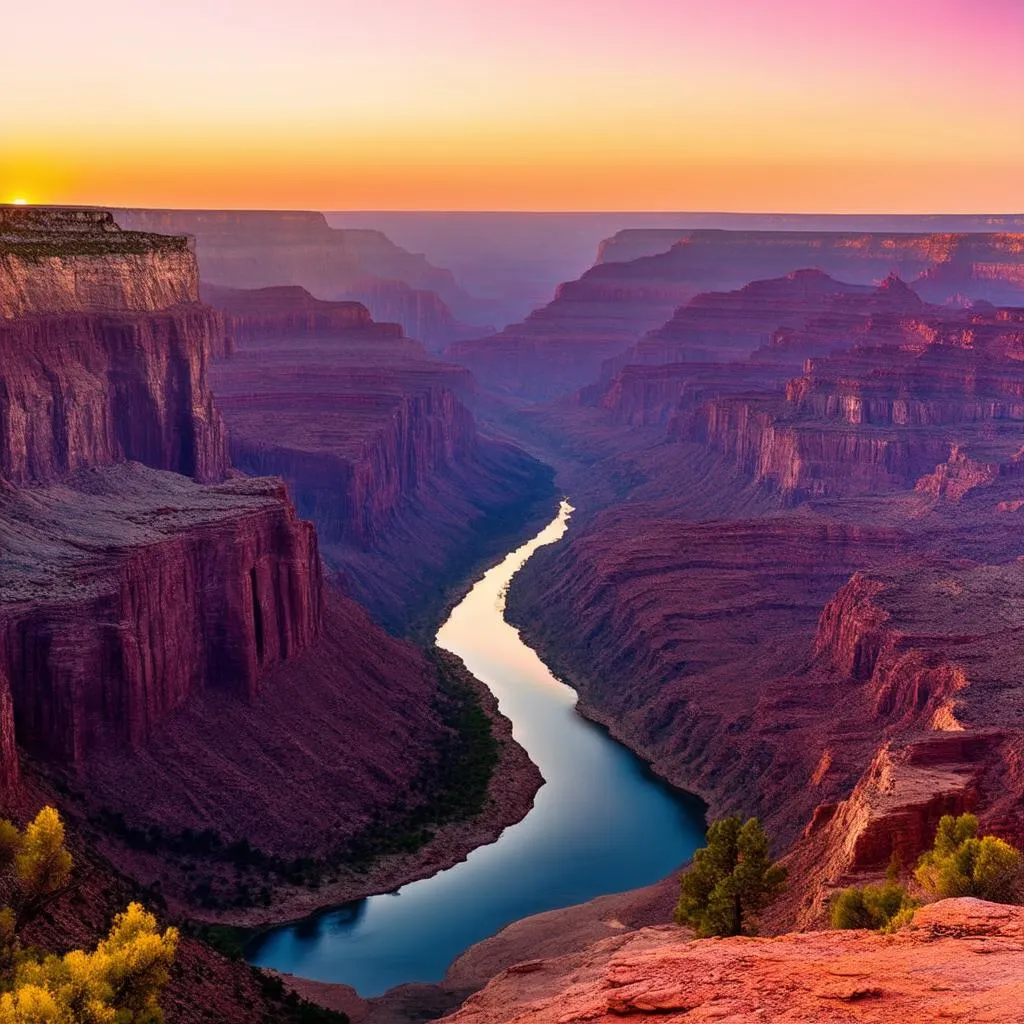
<point>276,641</point>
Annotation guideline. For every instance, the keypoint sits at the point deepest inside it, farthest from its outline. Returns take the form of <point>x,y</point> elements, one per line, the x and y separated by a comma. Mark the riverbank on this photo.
<point>513,785</point>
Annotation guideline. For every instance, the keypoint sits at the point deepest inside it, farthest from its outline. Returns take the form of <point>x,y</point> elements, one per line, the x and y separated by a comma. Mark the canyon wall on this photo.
<point>260,249</point>
<point>127,590</point>
<point>562,346</point>
<point>793,581</point>
<point>85,390</point>
<point>104,349</point>
<point>882,415</point>
<point>58,261</point>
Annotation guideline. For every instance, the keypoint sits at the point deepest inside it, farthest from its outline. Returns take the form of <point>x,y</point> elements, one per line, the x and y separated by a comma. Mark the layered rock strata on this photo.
<point>126,591</point>
<point>601,314</point>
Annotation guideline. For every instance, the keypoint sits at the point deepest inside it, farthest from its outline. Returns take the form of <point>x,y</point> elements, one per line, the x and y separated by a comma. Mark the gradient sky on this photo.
<point>804,105</point>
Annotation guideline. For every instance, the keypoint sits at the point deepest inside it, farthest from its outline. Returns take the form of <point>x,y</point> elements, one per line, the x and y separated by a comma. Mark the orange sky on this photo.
<point>885,105</point>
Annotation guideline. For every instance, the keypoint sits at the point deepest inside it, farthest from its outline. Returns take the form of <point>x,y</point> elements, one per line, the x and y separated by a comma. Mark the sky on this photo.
<point>782,105</point>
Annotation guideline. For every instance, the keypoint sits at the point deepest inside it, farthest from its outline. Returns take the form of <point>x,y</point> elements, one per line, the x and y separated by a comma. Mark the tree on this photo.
<point>961,864</point>
<point>42,864</point>
<point>730,881</point>
<point>117,983</point>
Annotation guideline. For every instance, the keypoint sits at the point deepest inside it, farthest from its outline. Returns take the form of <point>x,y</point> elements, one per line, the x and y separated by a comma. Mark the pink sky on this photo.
<point>729,104</point>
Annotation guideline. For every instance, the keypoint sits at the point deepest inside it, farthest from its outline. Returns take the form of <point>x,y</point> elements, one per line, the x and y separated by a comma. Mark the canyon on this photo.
<point>561,346</point>
<point>234,508</point>
<point>377,442</point>
<point>166,619</point>
<point>260,249</point>
<point>807,567</point>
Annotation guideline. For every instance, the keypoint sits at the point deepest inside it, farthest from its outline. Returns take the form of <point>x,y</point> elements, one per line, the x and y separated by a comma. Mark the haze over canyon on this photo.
<point>512,513</point>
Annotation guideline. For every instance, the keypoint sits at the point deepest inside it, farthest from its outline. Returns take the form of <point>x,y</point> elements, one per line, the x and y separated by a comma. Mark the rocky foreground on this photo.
<point>961,960</point>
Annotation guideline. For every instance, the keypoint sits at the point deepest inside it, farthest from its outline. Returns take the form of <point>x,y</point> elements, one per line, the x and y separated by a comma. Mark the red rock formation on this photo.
<point>959,960</point>
<point>106,356</point>
<point>883,414</point>
<point>719,326</point>
<point>61,261</point>
<point>87,390</point>
<point>598,316</point>
<point>712,625</point>
<point>126,591</point>
<point>288,311</point>
<point>728,343</point>
<point>259,249</point>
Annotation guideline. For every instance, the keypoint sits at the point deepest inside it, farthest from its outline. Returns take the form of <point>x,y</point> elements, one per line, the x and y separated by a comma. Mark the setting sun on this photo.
<point>19,202</point>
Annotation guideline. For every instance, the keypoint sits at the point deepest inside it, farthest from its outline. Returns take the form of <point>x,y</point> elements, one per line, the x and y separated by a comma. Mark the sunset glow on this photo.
<point>543,104</point>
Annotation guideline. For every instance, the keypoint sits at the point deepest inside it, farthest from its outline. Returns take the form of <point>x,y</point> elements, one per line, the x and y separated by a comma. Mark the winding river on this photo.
<point>601,823</point>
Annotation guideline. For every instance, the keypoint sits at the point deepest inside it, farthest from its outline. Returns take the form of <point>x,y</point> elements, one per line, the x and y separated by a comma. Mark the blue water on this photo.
<point>601,823</point>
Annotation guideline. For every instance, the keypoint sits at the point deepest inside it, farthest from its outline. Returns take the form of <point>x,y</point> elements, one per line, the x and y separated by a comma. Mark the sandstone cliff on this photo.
<point>85,390</point>
<point>913,390</point>
<point>127,590</point>
<point>104,352</point>
<point>59,261</point>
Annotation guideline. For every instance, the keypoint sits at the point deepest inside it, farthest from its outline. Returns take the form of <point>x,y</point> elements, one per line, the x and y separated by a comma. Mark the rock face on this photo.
<point>288,311</point>
<point>712,624</point>
<point>600,315</point>
<point>375,441</point>
<point>61,261</point>
<point>883,414</point>
<point>729,343</point>
<point>104,351</point>
<point>261,249</point>
<point>126,591</point>
<point>959,960</point>
<point>85,390</point>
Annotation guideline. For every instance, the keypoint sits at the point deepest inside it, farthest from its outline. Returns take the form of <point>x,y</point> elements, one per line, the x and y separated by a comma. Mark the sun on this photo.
<point>20,202</point>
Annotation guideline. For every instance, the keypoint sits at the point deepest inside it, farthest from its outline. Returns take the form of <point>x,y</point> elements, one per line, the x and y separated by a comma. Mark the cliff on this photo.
<point>959,960</point>
<point>913,390</point>
<point>599,316</point>
<point>751,339</point>
<point>70,260</point>
<point>85,390</point>
<point>286,311</point>
<point>104,349</point>
<point>712,624</point>
<point>260,249</point>
<point>635,242</point>
<point>765,315</point>
<point>127,590</point>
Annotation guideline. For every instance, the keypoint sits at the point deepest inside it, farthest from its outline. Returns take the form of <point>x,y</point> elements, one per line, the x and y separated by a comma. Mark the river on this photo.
<point>601,823</point>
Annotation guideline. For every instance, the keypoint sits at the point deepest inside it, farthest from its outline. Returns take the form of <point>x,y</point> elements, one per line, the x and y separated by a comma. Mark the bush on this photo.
<point>961,864</point>
<point>119,982</point>
<point>873,906</point>
<point>731,879</point>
